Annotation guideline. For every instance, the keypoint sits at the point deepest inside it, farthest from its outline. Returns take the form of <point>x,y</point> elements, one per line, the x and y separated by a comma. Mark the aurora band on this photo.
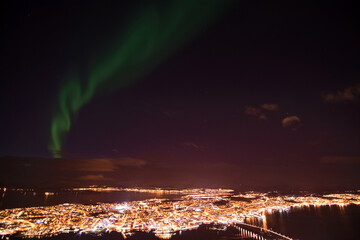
<point>154,34</point>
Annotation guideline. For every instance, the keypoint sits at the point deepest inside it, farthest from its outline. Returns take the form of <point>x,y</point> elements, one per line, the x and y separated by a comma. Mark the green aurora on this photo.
<point>154,34</point>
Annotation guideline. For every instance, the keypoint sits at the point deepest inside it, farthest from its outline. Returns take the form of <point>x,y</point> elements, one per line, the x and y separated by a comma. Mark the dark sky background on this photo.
<point>267,95</point>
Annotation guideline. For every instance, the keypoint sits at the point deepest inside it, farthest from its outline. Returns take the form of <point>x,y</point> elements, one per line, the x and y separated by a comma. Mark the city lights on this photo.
<point>164,217</point>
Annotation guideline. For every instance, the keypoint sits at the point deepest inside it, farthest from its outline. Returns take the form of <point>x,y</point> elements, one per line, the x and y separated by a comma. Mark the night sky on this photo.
<point>211,93</point>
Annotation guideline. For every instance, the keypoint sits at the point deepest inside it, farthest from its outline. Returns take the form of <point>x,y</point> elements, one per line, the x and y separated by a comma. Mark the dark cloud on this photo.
<point>45,173</point>
<point>130,162</point>
<point>291,122</point>
<point>100,164</point>
<point>193,145</point>
<point>93,177</point>
<point>270,106</point>
<point>322,141</point>
<point>169,113</point>
<point>349,94</point>
<point>87,165</point>
<point>259,111</point>
<point>151,157</point>
<point>256,112</point>
<point>340,159</point>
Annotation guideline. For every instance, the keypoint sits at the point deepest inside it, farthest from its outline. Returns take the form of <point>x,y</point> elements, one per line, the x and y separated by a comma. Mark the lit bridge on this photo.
<point>255,232</point>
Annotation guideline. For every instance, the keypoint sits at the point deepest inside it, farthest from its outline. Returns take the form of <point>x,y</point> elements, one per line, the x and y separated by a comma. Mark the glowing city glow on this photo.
<point>164,217</point>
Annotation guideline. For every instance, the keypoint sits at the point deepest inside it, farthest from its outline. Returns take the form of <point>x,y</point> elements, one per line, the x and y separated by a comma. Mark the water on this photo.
<point>310,223</point>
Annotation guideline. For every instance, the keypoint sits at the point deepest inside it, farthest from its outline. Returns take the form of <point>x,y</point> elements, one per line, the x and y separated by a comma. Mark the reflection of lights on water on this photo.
<point>47,194</point>
<point>3,195</point>
<point>263,218</point>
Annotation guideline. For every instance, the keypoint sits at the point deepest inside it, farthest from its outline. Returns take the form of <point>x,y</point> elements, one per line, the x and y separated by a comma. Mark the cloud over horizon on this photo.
<point>340,159</point>
<point>256,112</point>
<point>259,111</point>
<point>100,164</point>
<point>45,173</point>
<point>293,122</point>
<point>349,94</point>
<point>270,106</point>
<point>94,177</point>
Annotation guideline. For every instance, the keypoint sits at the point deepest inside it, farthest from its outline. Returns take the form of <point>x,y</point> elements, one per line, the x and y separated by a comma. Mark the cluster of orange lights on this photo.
<point>164,217</point>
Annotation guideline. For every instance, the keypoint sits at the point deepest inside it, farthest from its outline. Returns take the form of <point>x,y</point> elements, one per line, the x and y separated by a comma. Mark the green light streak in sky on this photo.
<point>155,33</point>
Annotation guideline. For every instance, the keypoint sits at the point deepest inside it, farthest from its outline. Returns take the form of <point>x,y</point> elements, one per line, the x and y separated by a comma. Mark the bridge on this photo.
<point>255,232</point>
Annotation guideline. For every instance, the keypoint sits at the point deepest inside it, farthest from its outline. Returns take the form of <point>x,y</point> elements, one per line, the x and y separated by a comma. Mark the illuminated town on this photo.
<point>163,217</point>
